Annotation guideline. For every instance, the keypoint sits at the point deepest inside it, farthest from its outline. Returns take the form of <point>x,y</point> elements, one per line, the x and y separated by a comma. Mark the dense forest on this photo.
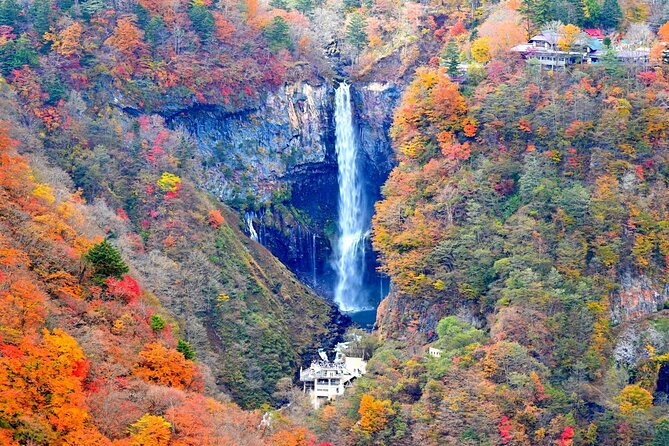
<point>523,225</point>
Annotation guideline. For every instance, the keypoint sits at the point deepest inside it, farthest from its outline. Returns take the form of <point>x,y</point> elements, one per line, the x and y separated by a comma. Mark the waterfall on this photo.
<point>249,223</point>
<point>313,259</point>
<point>349,252</point>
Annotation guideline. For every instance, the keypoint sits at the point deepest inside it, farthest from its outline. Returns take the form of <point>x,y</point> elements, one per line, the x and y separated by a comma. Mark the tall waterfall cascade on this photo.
<point>353,227</point>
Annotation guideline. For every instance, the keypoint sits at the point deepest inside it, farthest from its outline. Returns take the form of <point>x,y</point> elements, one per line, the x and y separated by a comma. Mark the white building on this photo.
<point>436,352</point>
<point>325,380</point>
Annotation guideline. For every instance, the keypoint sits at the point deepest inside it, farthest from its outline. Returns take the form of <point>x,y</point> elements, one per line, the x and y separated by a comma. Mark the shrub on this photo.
<point>186,349</point>
<point>157,322</point>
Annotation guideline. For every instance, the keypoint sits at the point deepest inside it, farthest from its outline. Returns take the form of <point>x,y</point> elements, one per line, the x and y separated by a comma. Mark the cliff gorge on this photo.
<point>276,162</point>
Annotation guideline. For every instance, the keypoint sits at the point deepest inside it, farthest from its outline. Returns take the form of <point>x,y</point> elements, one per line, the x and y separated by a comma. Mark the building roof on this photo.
<point>625,54</point>
<point>321,369</point>
<point>595,44</point>
<point>546,36</point>
<point>522,48</point>
<point>595,33</point>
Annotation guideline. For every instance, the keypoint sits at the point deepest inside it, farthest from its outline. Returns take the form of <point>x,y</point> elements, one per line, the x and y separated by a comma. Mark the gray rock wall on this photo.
<point>249,152</point>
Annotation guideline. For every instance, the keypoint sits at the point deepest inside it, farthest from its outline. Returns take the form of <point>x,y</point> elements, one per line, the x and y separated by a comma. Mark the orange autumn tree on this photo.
<point>22,309</point>
<point>168,367</point>
<point>663,32</point>
<point>294,437</point>
<point>41,390</point>
<point>128,42</point>
<point>127,37</point>
<point>374,415</point>
<point>431,106</point>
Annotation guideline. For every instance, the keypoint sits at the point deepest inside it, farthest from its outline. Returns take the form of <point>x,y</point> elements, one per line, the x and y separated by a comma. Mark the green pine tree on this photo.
<point>535,14</point>
<point>106,262</point>
<point>350,5</point>
<point>280,4</point>
<point>451,57</point>
<point>592,13</point>
<point>9,13</point>
<point>16,54</point>
<point>356,31</point>
<point>304,6</point>
<point>611,14</point>
<point>157,323</point>
<point>43,16</point>
<point>277,34</point>
<point>612,65</point>
<point>90,7</point>
<point>202,20</point>
<point>154,29</point>
<point>661,437</point>
<point>185,349</point>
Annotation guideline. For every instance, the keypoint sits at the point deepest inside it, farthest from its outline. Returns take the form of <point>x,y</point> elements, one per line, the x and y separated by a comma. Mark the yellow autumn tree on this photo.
<point>634,398</point>
<point>44,192</point>
<point>374,415</point>
<point>168,182</point>
<point>481,49</point>
<point>151,430</point>
<point>569,36</point>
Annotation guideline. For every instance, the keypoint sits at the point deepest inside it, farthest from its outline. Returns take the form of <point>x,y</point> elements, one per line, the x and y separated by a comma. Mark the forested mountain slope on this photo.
<point>86,353</point>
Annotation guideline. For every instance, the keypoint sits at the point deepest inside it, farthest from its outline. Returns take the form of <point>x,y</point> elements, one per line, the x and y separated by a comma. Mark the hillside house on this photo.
<point>435,352</point>
<point>544,48</point>
<point>325,380</point>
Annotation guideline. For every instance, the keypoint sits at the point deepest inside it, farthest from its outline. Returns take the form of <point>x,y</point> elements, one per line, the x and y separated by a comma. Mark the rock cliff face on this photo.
<point>637,297</point>
<point>278,161</point>
<point>250,152</point>
<point>374,104</point>
<point>416,320</point>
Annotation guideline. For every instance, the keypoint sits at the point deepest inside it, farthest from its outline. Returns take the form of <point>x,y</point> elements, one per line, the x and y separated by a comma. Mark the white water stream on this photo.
<point>249,224</point>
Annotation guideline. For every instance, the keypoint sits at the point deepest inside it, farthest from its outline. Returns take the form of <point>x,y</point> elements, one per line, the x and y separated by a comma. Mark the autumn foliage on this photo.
<point>110,380</point>
<point>168,367</point>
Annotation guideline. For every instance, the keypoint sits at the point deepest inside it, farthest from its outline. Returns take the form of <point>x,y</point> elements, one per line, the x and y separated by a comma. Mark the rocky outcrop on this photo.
<point>637,296</point>
<point>415,320</point>
<point>251,151</point>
